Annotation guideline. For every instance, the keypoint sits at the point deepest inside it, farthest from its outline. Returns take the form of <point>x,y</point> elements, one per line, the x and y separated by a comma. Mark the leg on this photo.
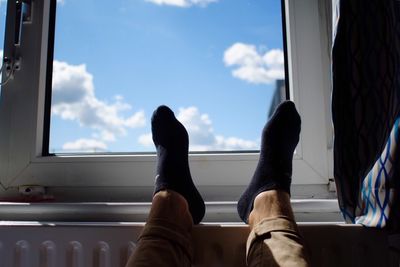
<point>274,239</point>
<point>177,205</point>
<point>166,238</point>
<point>265,205</point>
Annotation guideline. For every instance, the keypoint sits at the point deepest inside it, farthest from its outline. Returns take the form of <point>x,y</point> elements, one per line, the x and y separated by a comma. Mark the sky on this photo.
<point>213,62</point>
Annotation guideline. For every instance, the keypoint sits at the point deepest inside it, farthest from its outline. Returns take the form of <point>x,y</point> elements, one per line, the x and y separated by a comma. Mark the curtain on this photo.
<point>365,110</point>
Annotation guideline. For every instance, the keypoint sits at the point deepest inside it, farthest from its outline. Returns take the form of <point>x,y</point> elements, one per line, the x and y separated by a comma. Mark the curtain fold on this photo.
<point>365,108</point>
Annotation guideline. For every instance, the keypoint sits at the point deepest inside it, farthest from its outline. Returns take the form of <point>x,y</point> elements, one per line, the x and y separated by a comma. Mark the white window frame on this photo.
<point>22,109</point>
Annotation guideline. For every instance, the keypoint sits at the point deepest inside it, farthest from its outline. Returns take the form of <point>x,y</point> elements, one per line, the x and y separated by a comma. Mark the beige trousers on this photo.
<point>272,242</point>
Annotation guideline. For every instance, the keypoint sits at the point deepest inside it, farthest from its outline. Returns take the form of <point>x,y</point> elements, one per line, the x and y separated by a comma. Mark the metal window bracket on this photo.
<point>332,185</point>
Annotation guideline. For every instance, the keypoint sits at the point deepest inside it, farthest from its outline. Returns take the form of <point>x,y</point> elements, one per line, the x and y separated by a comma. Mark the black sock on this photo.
<point>172,143</point>
<point>274,170</point>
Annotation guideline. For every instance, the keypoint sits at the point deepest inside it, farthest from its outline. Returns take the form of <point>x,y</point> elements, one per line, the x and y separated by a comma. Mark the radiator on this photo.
<point>111,244</point>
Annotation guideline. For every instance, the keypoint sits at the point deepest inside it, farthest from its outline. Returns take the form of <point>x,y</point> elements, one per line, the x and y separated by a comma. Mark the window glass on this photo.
<point>219,64</point>
<point>3,11</point>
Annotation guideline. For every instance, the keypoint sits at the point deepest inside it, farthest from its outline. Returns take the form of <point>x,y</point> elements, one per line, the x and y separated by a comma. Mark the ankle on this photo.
<point>270,204</point>
<point>171,206</point>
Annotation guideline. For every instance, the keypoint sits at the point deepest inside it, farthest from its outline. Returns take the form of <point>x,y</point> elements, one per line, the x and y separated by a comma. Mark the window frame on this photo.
<point>24,105</point>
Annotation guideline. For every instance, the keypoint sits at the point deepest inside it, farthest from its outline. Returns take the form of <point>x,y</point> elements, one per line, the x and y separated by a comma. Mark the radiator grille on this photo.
<point>76,245</point>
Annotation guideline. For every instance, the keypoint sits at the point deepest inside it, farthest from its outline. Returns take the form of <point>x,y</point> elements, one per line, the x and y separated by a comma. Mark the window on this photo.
<point>216,63</point>
<point>3,8</point>
<point>25,111</point>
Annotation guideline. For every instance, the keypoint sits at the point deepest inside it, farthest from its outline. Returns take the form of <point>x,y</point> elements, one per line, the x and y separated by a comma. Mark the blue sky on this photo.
<point>214,62</point>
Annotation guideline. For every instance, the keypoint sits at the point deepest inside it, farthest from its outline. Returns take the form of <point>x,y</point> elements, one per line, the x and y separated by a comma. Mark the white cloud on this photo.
<point>85,145</point>
<point>74,99</point>
<point>199,126</point>
<point>182,3</point>
<point>201,134</point>
<point>234,143</point>
<point>254,66</point>
<point>146,139</point>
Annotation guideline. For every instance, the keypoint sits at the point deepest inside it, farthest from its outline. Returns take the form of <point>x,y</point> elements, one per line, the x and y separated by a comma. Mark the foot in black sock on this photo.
<point>172,143</point>
<point>274,170</point>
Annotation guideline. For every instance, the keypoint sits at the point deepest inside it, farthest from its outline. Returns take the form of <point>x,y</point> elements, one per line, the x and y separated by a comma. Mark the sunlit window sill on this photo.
<point>306,210</point>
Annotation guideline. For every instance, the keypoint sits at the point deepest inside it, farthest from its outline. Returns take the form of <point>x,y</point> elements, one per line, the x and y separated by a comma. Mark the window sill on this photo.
<point>306,210</point>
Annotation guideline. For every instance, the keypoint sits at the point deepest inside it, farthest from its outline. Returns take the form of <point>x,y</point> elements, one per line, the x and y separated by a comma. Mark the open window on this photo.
<point>30,153</point>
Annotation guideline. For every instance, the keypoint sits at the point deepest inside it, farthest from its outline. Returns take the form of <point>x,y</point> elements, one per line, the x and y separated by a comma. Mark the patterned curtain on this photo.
<point>365,109</point>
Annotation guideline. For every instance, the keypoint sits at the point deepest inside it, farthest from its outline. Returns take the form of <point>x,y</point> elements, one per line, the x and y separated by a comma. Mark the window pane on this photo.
<point>216,63</point>
<point>3,11</point>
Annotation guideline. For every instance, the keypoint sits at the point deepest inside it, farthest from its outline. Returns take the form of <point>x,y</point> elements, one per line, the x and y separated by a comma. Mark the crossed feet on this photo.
<point>273,172</point>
